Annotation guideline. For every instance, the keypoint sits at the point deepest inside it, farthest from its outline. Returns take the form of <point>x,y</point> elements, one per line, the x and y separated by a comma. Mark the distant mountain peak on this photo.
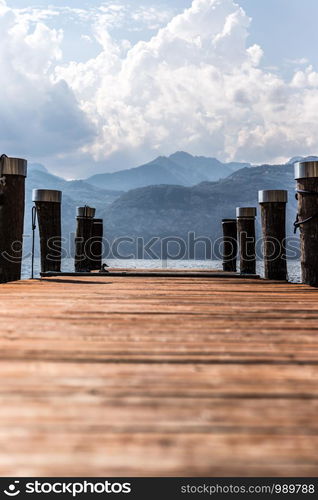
<point>184,156</point>
<point>38,167</point>
<point>158,158</point>
<point>161,160</point>
<point>180,155</point>
<point>179,168</point>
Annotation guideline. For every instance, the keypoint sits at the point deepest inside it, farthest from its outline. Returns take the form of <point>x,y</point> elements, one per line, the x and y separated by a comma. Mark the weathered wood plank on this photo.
<point>159,380</point>
<point>158,376</point>
<point>263,322</point>
<point>127,454</point>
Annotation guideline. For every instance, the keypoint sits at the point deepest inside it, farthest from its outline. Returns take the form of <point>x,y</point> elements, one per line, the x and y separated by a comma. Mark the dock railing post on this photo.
<point>48,209</point>
<point>13,172</point>
<point>229,244</point>
<point>96,246</point>
<point>84,231</point>
<point>273,214</point>
<point>306,174</point>
<point>246,237</point>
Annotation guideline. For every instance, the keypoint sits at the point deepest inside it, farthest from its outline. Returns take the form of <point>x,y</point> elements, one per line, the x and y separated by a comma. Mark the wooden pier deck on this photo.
<point>142,376</point>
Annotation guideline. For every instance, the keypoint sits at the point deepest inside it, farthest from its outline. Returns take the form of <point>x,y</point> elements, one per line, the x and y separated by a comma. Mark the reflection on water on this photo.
<point>68,266</point>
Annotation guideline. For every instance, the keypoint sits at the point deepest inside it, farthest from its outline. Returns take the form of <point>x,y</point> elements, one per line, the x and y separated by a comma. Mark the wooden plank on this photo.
<point>158,376</point>
<point>147,454</point>
<point>102,325</point>
<point>150,273</point>
<point>160,380</point>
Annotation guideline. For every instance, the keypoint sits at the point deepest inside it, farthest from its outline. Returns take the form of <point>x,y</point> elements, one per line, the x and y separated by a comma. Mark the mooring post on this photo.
<point>273,213</point>
<point>84,232</point>
<point>96,247</point>
<point>13,172</point>
<point>48,209</point>
<point>306,174</point>
<point>246,237</point>
<point>229,244</point>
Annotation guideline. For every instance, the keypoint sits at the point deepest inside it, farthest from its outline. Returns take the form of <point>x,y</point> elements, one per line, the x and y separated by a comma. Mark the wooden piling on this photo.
<point>306,174</point>
<point>273,213</point>
<point>12,195</point>
<point>48,208</point>
<point>246,238</point>
<point>84,231</point>
<point>229,244</point>
<point>96,246</point>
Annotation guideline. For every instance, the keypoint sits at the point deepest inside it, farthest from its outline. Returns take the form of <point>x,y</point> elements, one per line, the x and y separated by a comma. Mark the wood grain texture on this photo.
<point>308,207</point>
<point>83,237</point>
<point>96,246</point>
<point>274,234</point>
<point>50,230</point>
<point>230,246</point>
<point>158,376</point>
<point>247,242</point>
<point>11,227</point>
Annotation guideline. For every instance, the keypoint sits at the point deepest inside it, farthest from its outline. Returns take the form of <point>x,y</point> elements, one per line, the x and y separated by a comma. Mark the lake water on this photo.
<point>68,266</point>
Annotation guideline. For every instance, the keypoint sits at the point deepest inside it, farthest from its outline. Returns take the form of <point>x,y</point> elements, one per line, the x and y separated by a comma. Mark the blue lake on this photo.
<point>68,266</point>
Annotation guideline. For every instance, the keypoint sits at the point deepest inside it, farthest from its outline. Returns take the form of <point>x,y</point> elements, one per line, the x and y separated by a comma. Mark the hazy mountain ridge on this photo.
<point>176,211</point>
<point>179,168</point>
<point>167,209</point>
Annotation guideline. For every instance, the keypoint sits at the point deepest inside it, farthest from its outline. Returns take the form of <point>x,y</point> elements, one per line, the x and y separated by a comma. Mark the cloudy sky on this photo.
<point>91,85</point>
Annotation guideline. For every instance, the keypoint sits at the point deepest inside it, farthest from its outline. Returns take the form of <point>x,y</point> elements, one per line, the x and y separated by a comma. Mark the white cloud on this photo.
<point>39,117</point>
<point>150,17</point>
<point>301,61</point>
<point>132,18</point>
<point>195,85</point>
<point>86,38</point>
<point>305,79</point>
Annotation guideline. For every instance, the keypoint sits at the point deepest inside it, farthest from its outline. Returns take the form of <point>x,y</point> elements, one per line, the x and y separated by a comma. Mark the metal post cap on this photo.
<point>49,195</point>
<point>305,169</point>
<point>225,221</point>
<point>272,196</point>
<point>97,221</point>
<point>14,166</point>
<point>246,212</point>
<point>85,212</point>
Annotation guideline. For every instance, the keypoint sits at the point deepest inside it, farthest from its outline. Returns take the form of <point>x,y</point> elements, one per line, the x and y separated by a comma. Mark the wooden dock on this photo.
<point>150,376</point>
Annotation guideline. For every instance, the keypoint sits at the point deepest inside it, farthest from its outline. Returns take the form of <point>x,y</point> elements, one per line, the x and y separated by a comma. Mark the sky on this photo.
<point>92,86</point>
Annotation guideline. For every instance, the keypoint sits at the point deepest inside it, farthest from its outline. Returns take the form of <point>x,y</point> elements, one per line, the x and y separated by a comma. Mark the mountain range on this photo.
<point>171,205</point>
<point>176,211</point>
<point>179,168</point>
<point>103,189</point>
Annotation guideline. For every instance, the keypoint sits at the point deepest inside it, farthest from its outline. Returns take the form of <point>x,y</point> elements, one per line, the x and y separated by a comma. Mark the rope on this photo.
<point>298,222</point>
<point>2,157</point>
<point>2,177</point>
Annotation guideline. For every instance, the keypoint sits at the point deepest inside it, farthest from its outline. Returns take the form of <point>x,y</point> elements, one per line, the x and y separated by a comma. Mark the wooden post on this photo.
<point>83,237</point>
<point>246,237</point>
<point>229,244</point>
<point>306,174</point>
<point>96,246</point>
<point>273,212</point>
<point>48,208</point>
<point>13,172</point>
